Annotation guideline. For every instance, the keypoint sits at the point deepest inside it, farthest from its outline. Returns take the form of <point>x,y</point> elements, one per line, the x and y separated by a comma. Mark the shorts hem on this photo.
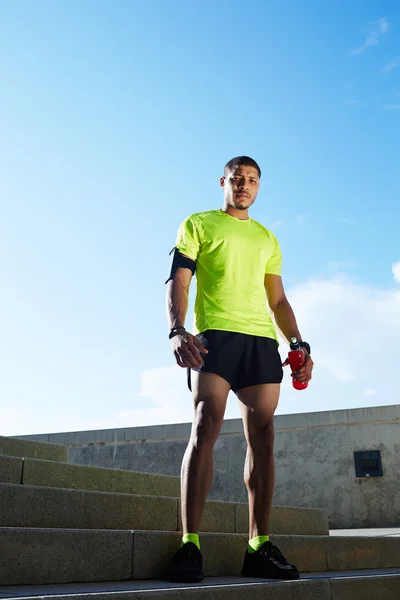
<point>215,372</point>
<point>248,385</point>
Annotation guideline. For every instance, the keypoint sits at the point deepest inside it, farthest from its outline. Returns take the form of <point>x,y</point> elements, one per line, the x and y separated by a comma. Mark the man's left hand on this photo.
<point>304,373</point>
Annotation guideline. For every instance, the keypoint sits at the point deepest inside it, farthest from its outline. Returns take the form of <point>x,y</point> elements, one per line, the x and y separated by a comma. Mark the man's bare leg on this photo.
<point>258,404</point>
<point>210,393</point>
<point>262,559</point>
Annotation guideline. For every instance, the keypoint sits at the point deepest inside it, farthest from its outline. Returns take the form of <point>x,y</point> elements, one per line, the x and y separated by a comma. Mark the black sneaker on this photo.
<point>268,562</point>
<point>187,565</point>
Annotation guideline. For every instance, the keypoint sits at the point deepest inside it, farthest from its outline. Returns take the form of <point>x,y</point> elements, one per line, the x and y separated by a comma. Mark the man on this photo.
<point>234,347</point>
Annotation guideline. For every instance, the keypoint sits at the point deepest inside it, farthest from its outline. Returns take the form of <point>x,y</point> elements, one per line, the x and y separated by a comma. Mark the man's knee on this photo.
<point>262,436</point>
<point>206,425</point>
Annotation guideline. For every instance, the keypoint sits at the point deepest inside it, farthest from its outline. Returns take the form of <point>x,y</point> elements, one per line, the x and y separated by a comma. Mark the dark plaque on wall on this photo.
<point>368,463</point>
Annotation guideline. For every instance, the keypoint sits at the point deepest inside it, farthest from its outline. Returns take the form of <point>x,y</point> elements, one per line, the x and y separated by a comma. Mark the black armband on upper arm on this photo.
<point>178,260</point>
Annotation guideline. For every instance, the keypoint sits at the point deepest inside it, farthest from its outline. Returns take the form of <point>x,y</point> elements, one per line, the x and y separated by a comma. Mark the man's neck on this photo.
<point>242,215</point>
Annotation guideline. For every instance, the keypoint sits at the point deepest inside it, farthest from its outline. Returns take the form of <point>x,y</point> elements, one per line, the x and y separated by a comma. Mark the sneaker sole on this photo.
<point>186,578</point>
<point>291,576</point>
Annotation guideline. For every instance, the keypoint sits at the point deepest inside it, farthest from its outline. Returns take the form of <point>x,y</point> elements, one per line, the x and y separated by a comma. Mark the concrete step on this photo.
<point>80,477</point>
<point>365,585</point>
<point>23,448</point>
<point>11,469</point>
<point>40,556</point>
<point>223,553</point>
<point>290,520</point>
<point>35,506</point>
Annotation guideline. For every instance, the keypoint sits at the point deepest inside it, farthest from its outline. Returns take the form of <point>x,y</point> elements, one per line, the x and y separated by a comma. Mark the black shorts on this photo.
<point>241,359</point>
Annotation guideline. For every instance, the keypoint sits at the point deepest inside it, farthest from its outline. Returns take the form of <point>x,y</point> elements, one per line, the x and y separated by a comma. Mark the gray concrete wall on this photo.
<point>314,460</point>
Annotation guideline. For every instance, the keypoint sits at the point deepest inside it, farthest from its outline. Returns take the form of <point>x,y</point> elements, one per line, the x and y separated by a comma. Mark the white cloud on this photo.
<point>395,63</point>
<point>380,27</point>
<point>369,392</point>
<point>383,25</point>
<point>392,107</point>
<point>168,397</point>
<point>351,328</point>
<point>396,271</point>
<point>276,224</point>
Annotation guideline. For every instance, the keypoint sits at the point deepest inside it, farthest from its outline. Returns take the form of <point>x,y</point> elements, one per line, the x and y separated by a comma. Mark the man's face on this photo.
<point>241,187</point>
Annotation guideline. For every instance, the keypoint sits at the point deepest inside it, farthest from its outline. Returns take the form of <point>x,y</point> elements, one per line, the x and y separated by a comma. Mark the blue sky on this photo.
<point>116,119</point>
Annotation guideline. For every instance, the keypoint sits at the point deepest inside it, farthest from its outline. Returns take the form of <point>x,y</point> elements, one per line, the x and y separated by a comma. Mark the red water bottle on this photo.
<point>296,358</point>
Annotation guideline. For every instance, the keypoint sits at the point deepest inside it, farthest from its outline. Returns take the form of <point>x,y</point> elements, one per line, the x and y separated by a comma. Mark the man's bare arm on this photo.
<point>178,297</point>
<point>279,304</point>
<point>185,346</point>
<point>286,321</point>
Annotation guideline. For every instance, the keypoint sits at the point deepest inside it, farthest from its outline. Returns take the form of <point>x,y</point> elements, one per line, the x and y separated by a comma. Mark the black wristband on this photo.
<point>306,345</point>
<point>174,331</point>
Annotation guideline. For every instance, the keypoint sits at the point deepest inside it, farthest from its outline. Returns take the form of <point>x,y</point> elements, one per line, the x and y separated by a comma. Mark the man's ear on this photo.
<point>222,182</point>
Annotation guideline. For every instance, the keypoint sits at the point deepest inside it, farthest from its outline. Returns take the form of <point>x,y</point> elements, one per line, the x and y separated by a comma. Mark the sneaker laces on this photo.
<point>269,549</point>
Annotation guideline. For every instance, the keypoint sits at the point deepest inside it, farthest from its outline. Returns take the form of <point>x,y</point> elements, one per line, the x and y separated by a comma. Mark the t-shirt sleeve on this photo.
<point>187,240</point>
<point>274,263</point>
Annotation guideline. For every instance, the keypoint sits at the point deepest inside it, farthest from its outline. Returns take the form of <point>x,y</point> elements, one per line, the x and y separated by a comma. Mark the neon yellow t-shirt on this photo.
<point>232,257</point>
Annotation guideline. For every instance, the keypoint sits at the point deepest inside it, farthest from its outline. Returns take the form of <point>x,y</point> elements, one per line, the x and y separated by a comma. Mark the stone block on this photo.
<point>152,553</point>
<point>47,473</point>
<point>308,553</point>
<point>351,553</point>
<point>27,506</point>
<point>10,469</point>
<point>218,517</point>
<point>42,556</point>
<point>288,520</point>
<point>366,588</point>
<point>223,554</point>
<point>24,448</point>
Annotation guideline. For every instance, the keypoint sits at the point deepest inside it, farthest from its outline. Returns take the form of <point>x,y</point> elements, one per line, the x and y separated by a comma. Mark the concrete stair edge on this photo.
<point>43,473</point>
<point>46,474</point>
<point>40,556</point>
<point>86,477</point>
<point>16,447</point>
<point>331,586</point>
<point>368,585</point>
<point>50,507</point>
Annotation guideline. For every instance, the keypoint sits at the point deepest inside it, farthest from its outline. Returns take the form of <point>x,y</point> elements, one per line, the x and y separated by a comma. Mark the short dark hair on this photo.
<point>238,161</point>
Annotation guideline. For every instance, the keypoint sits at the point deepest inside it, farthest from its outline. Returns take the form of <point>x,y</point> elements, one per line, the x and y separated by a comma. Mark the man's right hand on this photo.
<point>187,348</point>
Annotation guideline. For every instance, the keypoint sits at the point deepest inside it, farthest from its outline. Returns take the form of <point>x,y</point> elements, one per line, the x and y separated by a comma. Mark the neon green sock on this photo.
<point>256,543</point>
<point>191,537</point>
